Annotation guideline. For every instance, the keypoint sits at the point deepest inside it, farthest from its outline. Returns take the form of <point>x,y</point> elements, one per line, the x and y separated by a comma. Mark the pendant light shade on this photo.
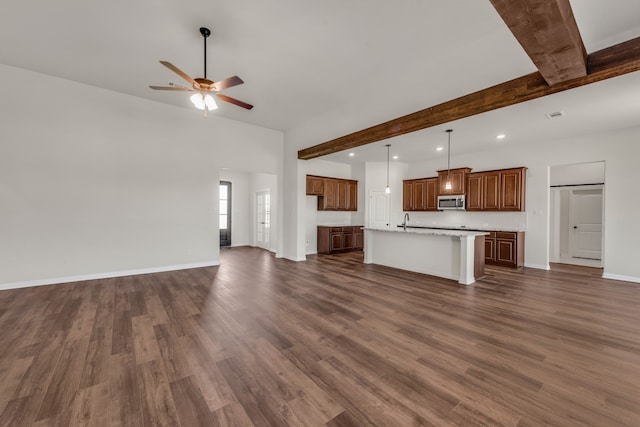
<point>447,184</point>
<point>388,189</point>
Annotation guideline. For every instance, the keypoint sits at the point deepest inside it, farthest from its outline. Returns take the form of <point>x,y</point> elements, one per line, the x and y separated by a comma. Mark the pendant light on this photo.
<point>447,184</point>
<point>388,189</point>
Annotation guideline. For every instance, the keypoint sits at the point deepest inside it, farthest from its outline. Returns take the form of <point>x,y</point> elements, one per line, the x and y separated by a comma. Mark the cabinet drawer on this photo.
<point>492,235</point>
<point>505,235</point>
<point>336,229</point>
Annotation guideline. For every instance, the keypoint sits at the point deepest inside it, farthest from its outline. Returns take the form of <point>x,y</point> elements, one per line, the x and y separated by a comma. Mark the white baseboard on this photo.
<point>538,266</point>
<point>621,277</point>
<point>69,279</point>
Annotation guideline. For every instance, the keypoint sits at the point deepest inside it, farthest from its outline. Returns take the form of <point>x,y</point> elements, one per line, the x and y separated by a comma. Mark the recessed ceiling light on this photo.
<point>395,157</point>
<point>501,136</point>
<point>352,154</point>
<point>439,148</point>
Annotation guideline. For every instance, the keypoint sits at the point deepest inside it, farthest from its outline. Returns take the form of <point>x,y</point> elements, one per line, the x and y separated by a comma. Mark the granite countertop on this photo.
<point>463,227</point>
<point>433,231</point>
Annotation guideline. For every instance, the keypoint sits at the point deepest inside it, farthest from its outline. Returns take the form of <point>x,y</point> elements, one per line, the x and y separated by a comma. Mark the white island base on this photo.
<point>451,254</point>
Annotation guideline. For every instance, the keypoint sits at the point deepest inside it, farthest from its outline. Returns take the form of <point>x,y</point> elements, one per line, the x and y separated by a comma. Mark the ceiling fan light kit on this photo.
<point>203,99</point>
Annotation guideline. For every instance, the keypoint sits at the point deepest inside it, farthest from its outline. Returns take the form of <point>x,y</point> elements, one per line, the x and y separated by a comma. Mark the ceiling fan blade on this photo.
<point>181,73</point>
<point>181,89</point>
<point>235,101</point>
<point>226,83</point>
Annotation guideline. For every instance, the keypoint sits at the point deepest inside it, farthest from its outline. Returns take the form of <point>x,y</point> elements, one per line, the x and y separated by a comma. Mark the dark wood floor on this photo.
<point>331,341</point>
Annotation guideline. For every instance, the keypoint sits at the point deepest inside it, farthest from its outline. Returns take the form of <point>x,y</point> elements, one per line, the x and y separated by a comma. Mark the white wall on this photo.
<point>99,183</point>
<point>577,174</point>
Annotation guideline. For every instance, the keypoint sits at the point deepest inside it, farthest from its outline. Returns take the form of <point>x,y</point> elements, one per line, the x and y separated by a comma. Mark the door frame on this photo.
<point>555,214</point>
<point>229,218</point>
<point>257,217</point>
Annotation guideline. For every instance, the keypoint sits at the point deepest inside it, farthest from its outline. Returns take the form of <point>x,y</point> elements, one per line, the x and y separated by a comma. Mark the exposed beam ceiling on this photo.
<point>548,32</point>
<point>610,62</point>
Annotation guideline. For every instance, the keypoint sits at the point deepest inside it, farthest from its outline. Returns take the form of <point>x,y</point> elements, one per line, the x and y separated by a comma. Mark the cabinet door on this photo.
<point>329,200</point>
<point>511,190</point>
<point>431,198</point>
<point>489,249</point>
<point>506,251</point>
<point>347,240</point>
<point>358,240</point>
<point>315,185</point>
<point>491,191</point>
<point>443,177</point>
<point>407,195</point>
<point>337,243</point>
<point>474,191</point>
<point>458,178</point>
<point>420,195</point>
<point>342,195</point>
<point>352,195</point>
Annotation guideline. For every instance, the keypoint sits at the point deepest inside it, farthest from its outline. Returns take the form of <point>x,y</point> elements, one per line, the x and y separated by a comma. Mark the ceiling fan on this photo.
<point>203,87</point>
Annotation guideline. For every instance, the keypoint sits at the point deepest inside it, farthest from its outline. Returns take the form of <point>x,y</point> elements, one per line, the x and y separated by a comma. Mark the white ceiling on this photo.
<point>302,58</point>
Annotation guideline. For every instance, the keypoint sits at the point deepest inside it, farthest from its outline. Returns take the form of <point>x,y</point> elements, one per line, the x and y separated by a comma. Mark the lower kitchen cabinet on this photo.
<point>504,248</point>
<point>340,239</point>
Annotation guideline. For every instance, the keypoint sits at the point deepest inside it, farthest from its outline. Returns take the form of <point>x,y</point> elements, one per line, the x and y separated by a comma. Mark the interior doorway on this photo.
<point>224,214</point>
<point>576,214</point>
<point>263,219</point>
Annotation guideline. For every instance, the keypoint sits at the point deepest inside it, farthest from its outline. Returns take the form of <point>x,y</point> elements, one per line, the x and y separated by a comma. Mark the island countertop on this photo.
<point>433,231</point>
<point>464,227</point>
<point>452,254</point>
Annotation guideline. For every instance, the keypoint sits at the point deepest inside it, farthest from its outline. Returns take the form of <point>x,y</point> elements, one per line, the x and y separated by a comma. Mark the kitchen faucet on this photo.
<point>404,221</point>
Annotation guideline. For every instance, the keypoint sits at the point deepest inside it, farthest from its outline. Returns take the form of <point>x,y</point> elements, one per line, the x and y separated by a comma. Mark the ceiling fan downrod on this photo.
<point>205,33</point>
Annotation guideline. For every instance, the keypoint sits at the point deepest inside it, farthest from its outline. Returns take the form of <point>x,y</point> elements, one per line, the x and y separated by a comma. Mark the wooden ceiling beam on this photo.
<point>611,62</point>
<point>548,32</point>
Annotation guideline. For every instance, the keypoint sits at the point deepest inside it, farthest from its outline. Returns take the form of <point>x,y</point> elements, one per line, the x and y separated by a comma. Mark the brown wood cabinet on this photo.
<point>499,190</point>
<point>315,185</point>
<point>458,179</point>
<point>512,184</point>
<point>420,194</point>
<point>504,248</point>
<point>474,191</point>
<point>340,239</point>
<point>352,195</point>
<point>334,194</point>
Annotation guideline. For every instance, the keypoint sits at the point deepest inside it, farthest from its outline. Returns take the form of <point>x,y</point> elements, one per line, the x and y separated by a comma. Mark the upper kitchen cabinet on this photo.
<point>334,194</point>
<point>352,195</point>
<point>498,190</point>
<point>420,194</point>
<point>458,178</point>
<point>512,185</point>
<point>315,185</point>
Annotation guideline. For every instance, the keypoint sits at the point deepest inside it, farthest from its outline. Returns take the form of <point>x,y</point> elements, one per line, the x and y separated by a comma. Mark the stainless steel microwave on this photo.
<point>455,202</point>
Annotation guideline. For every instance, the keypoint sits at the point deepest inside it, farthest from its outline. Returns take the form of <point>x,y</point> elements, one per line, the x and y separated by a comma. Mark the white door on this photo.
<point>263,219</point>
<point>585,214</point>
<point>379,210</point>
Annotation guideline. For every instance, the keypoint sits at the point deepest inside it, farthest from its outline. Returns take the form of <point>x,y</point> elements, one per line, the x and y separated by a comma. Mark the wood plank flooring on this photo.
<point>331,341</point>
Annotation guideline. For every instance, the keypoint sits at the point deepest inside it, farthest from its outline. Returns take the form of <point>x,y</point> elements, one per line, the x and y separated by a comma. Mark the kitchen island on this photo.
<point>451,254</point>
